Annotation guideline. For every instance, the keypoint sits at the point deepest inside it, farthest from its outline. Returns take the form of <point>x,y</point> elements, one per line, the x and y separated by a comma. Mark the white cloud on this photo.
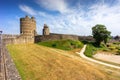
<point>78,21</point>
<point>42,14</point>
<point>107,15</point>
<point>55,5</point>
<point>81,22</point>
<point>27,9</point>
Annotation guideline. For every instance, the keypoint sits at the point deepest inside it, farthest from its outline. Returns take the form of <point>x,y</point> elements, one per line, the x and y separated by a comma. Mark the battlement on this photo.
<point>28,27</point>
<point>27,18</point>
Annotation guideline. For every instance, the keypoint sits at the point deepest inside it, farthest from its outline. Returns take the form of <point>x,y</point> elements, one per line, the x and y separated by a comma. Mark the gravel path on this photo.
<point>95,61</point>
<point>108,57</point>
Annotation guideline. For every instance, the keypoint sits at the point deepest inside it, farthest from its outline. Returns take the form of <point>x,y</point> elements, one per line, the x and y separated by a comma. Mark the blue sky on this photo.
<point>62,16</point>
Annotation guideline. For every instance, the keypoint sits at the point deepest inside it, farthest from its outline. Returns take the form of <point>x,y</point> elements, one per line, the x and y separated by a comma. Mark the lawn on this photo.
<point>35,62</point>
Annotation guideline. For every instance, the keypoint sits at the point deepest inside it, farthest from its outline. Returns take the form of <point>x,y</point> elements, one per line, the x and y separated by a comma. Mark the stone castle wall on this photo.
<point>16,39</point>
<point>51,37</point>
<point>86,38</point>
<point>6,36</point>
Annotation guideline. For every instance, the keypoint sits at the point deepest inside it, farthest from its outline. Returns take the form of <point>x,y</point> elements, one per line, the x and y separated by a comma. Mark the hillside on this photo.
<point>35,62</point>
<point>62,44</point>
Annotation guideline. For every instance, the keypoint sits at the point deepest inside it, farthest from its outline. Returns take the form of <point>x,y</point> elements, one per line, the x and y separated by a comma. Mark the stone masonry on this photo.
<point>28,27</point>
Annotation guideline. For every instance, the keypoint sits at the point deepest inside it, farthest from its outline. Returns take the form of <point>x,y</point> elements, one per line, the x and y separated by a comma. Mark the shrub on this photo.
<point>118,47</point>
<point>118,52</point>
<point>105,49</point>
<point>111,48</point>
<point>54,45</point>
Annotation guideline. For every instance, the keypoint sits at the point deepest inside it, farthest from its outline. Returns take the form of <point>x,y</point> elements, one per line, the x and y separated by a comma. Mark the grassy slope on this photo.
<point>36,62</point>
<point>62,44</point>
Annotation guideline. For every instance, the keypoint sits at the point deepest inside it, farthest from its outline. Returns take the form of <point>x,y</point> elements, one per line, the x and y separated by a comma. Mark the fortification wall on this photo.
<point>53,36</point>
<point>7,36</point>
<point>86,38</point>
<point>41,38</point>
<point>72,37</point>
<point>16,39</point>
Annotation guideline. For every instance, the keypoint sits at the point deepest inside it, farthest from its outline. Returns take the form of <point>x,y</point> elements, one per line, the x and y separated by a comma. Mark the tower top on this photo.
<point>32,17</point>
<point>46,30</point>
<point>45,26</point>
<point>28,26</point>
<point>27,17</point>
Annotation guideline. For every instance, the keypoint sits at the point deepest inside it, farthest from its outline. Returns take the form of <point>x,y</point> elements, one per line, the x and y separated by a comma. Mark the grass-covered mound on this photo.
<point>62,44</point>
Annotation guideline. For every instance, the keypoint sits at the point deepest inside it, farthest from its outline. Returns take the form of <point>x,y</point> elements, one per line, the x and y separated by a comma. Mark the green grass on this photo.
<point>63,44</point>
<point>91,49</point>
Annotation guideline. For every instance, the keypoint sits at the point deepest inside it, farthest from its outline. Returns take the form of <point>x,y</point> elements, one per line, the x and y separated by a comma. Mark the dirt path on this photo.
<point>108,57</point>
<point>95,61</point>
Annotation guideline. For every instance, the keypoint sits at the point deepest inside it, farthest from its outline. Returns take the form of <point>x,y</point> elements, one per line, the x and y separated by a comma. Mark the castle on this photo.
<point>28,34</point>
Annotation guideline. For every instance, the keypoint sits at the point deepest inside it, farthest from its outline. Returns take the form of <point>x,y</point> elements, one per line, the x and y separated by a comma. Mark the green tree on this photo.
<point>100,33</point>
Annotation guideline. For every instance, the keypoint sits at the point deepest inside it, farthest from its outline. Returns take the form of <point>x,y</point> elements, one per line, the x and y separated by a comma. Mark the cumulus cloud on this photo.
<point>27,9</point>
<point>54,5</point>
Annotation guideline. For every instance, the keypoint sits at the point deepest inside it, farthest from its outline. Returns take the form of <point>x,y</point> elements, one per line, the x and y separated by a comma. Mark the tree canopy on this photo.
<point>100,33</point>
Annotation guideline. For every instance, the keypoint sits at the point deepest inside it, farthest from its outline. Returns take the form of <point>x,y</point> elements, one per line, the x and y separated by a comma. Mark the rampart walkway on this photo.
<point>8,69</point>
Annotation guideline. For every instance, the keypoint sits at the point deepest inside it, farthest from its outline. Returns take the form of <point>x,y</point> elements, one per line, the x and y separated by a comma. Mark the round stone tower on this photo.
<point>46,30</point>
<point>28,27</point>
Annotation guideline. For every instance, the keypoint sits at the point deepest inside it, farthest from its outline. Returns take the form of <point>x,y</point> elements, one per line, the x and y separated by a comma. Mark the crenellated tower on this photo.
<point>28,27</point>
<point>46,30</point>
